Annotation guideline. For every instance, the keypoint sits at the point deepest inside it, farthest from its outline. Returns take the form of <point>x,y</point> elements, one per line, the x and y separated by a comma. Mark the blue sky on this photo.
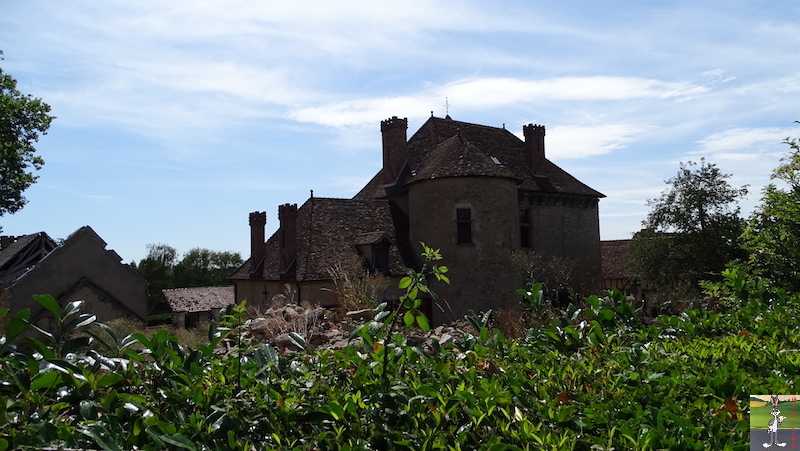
<point>176,119</point>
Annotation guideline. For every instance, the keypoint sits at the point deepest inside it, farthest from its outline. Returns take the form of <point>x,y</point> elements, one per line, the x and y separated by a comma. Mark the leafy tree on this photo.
<point>23,119</point>
<point>691,231</point>
<point>203,267</point>
<point>157,269</point>
<point>198,268</point>
<point>772,235</point>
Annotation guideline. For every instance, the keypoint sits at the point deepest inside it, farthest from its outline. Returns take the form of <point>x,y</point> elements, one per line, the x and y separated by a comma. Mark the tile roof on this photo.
<point>198,299</point>
<point>329,229</point>
<point>432,153</point>
<point>614,259</point>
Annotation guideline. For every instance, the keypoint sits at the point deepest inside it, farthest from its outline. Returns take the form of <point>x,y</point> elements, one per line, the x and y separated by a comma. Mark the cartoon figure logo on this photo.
<point>772,425</point>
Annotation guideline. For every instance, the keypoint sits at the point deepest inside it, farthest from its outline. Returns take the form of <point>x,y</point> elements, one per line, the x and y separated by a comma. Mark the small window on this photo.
<point>380,258</point>
<point>524,228</point>
<point>463,225</point>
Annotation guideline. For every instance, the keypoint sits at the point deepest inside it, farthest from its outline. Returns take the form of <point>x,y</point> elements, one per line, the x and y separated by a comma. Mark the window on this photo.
<point>380,258</point>
<point>524,228</point>
<point>463,225</point>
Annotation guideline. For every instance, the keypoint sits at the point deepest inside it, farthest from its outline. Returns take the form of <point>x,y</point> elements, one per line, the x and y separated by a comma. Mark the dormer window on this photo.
<point>374,247</point>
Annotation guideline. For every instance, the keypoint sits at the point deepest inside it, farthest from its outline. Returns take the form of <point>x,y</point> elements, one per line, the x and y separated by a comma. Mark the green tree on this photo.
<point>691,231</point>
<point>157,269</point>
<point>772,234</point>
<point>198,268</point>
<point>23,119</point>
<point>203,267</point>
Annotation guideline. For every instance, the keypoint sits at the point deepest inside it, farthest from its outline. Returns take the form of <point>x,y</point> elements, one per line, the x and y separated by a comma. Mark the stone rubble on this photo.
<point>319,329</point>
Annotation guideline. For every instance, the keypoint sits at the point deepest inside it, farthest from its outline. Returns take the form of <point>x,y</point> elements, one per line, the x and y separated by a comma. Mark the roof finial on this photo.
<point>446,106</point>
<point>312,193</point>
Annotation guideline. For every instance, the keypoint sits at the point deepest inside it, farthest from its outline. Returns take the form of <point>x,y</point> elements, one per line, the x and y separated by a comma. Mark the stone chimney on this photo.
<point>534,144</point>
<point>287,215</point>
<point>395,148</point>
<point>258,221</point>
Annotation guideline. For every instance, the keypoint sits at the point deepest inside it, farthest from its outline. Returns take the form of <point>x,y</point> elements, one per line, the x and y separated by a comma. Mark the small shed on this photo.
<point>191,306</point>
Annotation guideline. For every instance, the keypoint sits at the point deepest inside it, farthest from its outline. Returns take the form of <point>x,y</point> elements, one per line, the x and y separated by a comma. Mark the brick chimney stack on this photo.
<point>395,148</point>
<point>534,144</point>
<point>258,222</point>
<point>287,215</point>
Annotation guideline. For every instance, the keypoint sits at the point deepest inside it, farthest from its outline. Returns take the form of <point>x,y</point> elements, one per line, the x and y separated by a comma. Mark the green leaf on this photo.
<point>50,303</point>
<point>74,345</point>
<point>408,318</point>
<point>17,324</point>
<point>298,340</point>
<point>82,320</point>
<point>179,441</point>
<point>71,308</point>
<point>422,320</point>
<point>101,436</point>
<point>405,282</point>
<point>45,380</point>
<point>109,379</point>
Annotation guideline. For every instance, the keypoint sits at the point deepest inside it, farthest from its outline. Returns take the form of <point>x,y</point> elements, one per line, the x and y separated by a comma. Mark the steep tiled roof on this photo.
<point>458,157</point>
<point>330,229</point>
<point>614,255</point>
<point>431,152</point>
<point>198,299</point>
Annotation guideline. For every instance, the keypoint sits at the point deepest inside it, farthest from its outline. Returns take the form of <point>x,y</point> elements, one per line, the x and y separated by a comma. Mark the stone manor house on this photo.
<point>478,193</point>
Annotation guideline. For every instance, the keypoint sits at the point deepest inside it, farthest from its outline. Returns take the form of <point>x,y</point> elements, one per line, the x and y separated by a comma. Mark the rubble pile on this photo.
<point>317,326</point>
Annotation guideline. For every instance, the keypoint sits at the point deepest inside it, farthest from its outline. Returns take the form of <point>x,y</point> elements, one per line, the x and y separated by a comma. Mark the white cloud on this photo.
<point>752,140</point>
<point>483,93</point>
<point>576,141</point>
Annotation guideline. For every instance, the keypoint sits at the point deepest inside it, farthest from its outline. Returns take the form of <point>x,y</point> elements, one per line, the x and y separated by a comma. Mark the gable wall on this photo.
<point>82,256</point>
<point>567,227</point>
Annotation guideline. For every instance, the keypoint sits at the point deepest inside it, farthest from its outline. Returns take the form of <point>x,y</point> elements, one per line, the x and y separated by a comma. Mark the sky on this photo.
<point>176,119</point>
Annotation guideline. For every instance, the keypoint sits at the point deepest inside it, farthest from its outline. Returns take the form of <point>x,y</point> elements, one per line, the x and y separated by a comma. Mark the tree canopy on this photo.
<point>199,267</point>
<point>23,119</point>
<point>772,235</point>
<point>691,232</point>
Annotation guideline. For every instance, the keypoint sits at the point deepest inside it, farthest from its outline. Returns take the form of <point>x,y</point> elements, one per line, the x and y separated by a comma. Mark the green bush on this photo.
<point>592,378</point>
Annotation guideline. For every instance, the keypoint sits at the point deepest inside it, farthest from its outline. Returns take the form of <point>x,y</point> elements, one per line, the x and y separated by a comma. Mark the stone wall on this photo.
<point>480,271</point>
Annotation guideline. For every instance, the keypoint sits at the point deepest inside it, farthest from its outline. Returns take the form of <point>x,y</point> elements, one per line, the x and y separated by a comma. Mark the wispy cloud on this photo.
<point>575,141</point>
<point>478,94</point>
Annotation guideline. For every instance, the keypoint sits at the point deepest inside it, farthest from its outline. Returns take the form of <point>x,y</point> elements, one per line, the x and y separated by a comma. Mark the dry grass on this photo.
<point>355,287</point>
<point>276,322</point>
<point>513,321</point>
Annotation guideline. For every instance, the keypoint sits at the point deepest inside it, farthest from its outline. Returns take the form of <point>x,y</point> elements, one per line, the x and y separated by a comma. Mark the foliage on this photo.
<point>197,268</point>
<point>203,267</point>
<point>23,119</point>
<point>594,377</point>
<point>772,235</point>
<point>691,232</point>
<point>157,269</point>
